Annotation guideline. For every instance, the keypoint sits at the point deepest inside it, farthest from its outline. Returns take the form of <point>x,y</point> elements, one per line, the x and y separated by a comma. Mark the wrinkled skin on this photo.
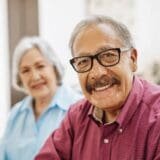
<point>105,87</point>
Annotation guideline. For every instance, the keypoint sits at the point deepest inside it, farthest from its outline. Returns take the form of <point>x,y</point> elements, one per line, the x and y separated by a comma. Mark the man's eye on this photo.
<point>82,63</point>
<point>108,55</point>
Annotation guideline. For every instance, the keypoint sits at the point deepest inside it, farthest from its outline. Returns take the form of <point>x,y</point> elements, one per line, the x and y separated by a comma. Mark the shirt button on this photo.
<point>120,130</point>
<point>106,140</point>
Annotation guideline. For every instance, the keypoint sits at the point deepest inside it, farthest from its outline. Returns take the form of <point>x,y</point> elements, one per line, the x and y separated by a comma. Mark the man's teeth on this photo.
<point>102,88</point>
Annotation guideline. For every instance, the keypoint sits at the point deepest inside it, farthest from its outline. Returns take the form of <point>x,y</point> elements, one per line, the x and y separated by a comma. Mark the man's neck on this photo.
<point>111,116</point>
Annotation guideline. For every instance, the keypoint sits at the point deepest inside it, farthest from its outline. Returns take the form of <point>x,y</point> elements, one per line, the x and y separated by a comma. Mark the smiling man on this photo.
<point>120,117</point>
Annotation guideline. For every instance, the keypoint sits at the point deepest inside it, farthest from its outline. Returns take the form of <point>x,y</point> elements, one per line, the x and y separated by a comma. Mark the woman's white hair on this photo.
<point>25,45</point>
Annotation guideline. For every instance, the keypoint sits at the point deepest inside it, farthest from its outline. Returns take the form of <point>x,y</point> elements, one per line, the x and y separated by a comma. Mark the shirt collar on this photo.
<point>26,103</point>
<point>96,113</point>
<point>129,107</point>
<point>61,99</point>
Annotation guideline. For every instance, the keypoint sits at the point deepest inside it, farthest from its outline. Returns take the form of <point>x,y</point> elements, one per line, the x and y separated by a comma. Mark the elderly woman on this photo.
<point>37,72</point>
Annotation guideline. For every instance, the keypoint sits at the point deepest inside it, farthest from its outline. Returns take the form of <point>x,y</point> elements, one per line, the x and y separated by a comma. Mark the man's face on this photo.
<point>105,87</point>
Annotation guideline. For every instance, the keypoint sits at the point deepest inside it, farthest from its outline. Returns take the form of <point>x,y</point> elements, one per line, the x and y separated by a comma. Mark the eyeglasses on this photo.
<point>106,58</point>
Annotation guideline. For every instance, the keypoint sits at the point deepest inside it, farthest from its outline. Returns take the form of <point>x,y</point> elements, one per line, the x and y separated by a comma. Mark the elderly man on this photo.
<point>120,117</point>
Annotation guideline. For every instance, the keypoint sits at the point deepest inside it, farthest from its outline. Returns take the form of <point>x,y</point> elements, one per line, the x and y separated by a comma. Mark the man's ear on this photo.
<point>133,57</point>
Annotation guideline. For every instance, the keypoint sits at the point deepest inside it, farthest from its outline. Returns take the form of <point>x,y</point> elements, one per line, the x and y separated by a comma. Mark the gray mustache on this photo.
<point>101,82</point>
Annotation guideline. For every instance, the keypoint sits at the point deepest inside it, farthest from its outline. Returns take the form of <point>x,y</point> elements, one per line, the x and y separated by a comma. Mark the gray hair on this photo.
<point>25,45</point>
<point>120,29</point>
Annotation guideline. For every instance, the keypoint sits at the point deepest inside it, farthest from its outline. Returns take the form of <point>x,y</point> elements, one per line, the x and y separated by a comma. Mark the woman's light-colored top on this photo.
<point>24,136</point>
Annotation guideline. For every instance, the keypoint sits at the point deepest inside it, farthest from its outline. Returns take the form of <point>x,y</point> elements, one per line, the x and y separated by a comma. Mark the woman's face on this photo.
<point>37,74</point>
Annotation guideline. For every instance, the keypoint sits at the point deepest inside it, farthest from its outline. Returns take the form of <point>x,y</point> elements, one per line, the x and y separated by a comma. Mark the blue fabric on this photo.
<point>24,136</point>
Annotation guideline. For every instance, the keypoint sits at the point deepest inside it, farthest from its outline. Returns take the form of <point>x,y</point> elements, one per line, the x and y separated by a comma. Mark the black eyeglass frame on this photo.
<point>92,57</point>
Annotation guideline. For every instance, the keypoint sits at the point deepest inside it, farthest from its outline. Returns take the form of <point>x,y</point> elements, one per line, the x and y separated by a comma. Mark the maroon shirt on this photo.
<point>135,135</point>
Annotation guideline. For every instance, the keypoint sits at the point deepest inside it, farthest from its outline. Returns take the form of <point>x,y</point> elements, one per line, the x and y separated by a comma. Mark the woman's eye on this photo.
<point>25,71</point>
<point>41,66</point>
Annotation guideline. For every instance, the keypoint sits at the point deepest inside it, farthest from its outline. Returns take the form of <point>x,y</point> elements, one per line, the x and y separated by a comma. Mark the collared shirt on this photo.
<point>135,135</point>
<point>24,136</point>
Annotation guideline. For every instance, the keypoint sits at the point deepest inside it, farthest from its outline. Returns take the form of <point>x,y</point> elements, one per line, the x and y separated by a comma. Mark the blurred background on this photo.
<point>54,20</point>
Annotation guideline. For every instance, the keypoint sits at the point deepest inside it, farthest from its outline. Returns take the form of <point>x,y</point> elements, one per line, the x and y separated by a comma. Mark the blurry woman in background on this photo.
<point>37,72</point>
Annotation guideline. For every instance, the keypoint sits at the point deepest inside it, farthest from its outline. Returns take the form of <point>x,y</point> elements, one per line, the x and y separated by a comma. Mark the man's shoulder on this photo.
<point>151,99</point>
<point>81,106</point>
<point>80,110</point>
<point>151,94</point>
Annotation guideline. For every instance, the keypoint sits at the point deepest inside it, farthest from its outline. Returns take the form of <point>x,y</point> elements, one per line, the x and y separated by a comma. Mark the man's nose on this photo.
<point>97,69</point>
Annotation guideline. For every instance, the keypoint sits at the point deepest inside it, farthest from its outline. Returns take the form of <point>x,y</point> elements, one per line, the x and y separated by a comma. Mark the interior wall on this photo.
<point>23,21</point>
<point>56,21</point>
<point>4,67</point>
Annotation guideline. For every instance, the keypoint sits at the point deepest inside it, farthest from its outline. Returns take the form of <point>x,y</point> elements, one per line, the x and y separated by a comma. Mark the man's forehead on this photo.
<point>96,31</point>
<point>102,27</point>
<point>94,38</point>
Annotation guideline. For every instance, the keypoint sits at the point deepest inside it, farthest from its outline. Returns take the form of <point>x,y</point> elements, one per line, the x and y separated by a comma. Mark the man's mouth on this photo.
<point>102,88</point>
<point>102,84</point>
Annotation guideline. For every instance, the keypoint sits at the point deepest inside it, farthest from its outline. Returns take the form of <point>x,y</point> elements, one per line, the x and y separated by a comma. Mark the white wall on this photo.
<point>4,66</point>
<point>58,17</point>
<point>143,19</point>
<point>147,31</point>
<point>56,21</point>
